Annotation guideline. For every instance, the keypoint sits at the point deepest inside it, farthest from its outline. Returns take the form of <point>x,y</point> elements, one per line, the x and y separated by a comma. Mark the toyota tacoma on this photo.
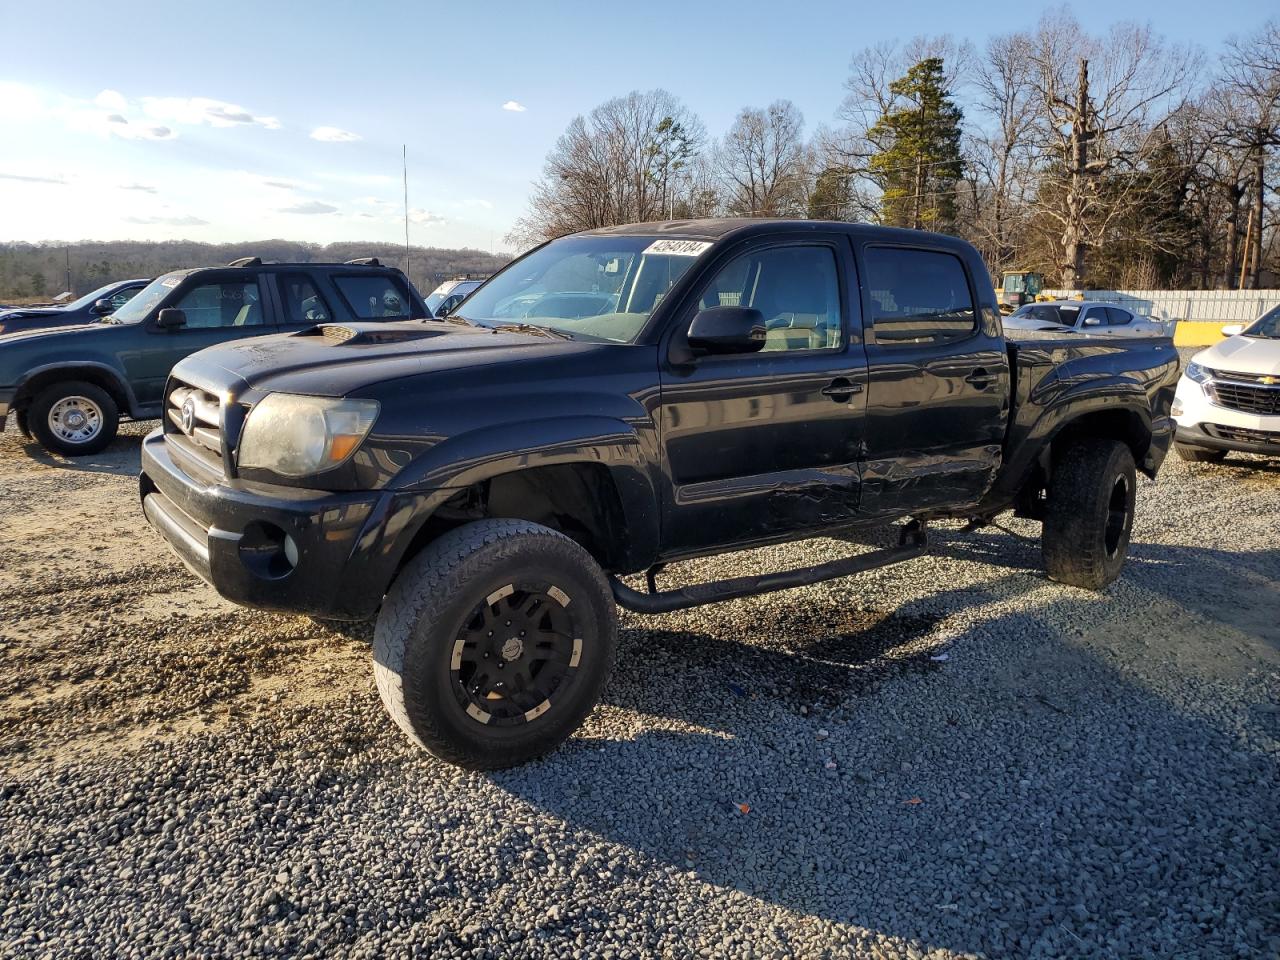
<point>618,400</point>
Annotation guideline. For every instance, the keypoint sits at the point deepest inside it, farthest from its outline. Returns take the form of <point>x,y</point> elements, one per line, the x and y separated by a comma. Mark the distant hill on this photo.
<point>39,270</point>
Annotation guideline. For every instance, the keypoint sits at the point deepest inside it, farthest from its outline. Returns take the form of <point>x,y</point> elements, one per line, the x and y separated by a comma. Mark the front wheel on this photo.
<point>494,643</point>
<point>73,418</point>
<point>1089,513</point>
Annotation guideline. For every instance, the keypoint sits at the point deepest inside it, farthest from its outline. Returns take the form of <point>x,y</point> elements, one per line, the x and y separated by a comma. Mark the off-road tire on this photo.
<point>430,602</point>
<point>1089,513</point>
<point>1198,454</point>
<point>46,399</point>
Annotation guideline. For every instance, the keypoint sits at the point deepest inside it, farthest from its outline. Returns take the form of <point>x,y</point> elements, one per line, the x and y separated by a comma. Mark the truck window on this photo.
<point>226,303</point>
<point>796,288</point>
<point>375,298</point>
<point>918,296</point>
<point>302,301</point>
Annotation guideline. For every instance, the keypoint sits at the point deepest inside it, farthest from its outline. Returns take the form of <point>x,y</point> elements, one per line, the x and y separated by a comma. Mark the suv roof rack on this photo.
<point>246,262</point>
<point>364,262</point>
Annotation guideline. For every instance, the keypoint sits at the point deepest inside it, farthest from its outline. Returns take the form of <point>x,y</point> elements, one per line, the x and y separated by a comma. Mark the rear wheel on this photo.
<point>494,643</point>
<point>73,418</point>
<point>1199,454</point>
<point>1089,513</point>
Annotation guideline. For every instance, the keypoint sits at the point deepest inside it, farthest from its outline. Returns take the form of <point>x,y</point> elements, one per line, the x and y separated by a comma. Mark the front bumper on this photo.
<point>1203,423</point>
<point>345,548</point>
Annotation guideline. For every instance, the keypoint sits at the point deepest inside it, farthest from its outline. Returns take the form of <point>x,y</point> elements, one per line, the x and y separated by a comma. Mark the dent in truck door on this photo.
<point>937,398</point>
<point>762,444</point>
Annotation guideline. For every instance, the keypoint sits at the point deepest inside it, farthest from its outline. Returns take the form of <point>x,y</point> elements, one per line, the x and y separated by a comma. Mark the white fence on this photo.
<point>1215,306</point>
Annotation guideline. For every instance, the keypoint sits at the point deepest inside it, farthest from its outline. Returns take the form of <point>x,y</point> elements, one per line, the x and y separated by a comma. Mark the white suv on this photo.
<point>1229,395</point>
<point>445,298</point>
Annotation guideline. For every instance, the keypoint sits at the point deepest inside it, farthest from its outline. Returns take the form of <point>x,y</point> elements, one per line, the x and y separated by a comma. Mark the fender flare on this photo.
<point>121,383</point>
<point>479,455</point>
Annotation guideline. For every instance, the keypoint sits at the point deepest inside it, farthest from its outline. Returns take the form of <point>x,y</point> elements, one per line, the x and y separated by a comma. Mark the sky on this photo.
<point>238,121</point>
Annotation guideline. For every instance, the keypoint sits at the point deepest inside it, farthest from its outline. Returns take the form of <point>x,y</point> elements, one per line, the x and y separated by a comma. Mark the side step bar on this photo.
<point>912,539</point>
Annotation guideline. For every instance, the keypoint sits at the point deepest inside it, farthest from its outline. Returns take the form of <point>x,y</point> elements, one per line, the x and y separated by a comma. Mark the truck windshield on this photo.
<point>136,310</point>
<point>597,288</point>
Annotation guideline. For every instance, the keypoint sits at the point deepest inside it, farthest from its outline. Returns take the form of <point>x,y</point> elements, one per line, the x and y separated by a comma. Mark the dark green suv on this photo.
<point>70,386</point>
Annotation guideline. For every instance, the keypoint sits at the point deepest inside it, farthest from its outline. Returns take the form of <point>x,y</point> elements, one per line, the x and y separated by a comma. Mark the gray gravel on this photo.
<point>954,757</point>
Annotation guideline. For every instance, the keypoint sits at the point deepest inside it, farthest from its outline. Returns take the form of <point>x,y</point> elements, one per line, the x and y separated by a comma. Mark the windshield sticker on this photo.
<point>170,281</point>
<point>677,248</point>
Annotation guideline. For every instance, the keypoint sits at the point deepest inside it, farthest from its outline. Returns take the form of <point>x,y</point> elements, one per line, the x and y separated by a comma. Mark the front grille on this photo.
<point>1242,434</point>
<point>1245,377</point>
<point>1264,400</point>
<point>198,433</point>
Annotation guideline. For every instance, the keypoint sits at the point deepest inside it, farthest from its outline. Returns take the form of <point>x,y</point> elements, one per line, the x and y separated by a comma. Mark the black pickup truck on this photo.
<point>618,400</point>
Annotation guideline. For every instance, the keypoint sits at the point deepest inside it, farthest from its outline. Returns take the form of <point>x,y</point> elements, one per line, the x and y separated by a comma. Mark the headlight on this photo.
<point>1198,373</point>
<point>301,436</point>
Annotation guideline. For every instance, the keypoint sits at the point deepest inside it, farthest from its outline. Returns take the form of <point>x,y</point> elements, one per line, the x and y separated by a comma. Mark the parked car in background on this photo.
<point>70,386</point>
<point>102,302</point>
<point>444,299</point>
<point>624,398</point>
<point>1229,395</point>
<point>1086,316</point>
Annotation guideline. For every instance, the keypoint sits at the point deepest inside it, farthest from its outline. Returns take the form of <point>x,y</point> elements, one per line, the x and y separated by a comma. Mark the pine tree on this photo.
<point>917,164</point>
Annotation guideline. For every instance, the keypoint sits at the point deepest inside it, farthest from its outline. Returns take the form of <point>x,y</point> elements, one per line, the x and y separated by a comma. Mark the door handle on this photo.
<point>980,379</point>
<point>841,389</point>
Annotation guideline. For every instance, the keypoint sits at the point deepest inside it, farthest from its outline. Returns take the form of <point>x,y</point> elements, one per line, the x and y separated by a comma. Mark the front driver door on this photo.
<point>218,309</point>
<point>759,445</point>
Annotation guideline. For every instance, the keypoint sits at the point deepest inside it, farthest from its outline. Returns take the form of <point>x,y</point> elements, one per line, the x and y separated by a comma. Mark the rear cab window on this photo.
<point>377,297</point>
<point>918,297</point>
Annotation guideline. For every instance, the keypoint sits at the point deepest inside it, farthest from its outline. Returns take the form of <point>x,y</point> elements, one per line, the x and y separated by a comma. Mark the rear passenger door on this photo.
<point>937,396</point>
<point>302,304</point>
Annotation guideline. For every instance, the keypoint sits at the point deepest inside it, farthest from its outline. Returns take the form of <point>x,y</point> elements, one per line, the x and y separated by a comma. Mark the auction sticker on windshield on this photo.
<point>677,248</point>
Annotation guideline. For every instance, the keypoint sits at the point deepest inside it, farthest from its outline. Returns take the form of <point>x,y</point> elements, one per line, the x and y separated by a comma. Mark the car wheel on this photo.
<point>494,643</point>
<point>73,418</point>
<point>1089,513</point>
<point>1199,454</point>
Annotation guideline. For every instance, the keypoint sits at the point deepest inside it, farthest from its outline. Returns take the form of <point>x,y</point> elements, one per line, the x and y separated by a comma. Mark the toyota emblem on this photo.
<point>188,416</point>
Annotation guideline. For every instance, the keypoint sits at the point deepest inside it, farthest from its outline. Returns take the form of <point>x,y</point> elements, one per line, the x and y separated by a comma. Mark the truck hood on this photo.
<point>339,359</point>
<point>22,336</point>
<point>1243,355</point>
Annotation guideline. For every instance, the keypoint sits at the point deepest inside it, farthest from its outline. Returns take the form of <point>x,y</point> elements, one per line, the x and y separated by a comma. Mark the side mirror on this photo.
<point>727,330</point>
<point>1233,329</point>
<point>101,306</point>
<point>1093,321</point>
<point>171,318</point>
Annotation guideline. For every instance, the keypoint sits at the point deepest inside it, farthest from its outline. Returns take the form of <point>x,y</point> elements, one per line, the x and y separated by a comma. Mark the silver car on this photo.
<point>1094,317</point>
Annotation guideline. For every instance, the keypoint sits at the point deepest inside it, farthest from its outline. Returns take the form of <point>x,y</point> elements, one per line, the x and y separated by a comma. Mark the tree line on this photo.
<point>33,271</point>
<point>1114,159</point>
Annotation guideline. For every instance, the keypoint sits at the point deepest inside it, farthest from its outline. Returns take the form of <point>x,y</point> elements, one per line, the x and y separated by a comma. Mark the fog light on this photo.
<point>267,551</point>
<point>1176,410</point>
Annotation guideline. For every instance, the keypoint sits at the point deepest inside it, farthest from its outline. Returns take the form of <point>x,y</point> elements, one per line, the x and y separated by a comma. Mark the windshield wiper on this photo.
<point>532,328</point>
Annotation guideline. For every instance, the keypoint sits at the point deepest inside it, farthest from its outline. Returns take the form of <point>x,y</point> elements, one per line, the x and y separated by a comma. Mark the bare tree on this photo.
<point>762,162</point>
<point>1100,101</point>
<point>1251,77</point>
<point>627,161</point>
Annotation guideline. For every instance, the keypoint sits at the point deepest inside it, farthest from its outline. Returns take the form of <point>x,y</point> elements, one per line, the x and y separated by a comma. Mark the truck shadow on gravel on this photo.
<point>1025,797</point>
<point>122,458</point>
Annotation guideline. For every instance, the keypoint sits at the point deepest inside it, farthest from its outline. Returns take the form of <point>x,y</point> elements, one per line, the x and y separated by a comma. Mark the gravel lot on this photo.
<point>949,758</point>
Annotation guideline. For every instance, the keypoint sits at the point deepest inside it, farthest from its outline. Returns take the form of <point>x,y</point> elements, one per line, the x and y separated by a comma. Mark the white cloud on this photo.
<point>310,207</point>
<point>193,111</point>
<point>112,100</point>
<point>334,135</point>
<point>140,187</point>
<point>515,106</point>
<point>184,221</point>
<point>20,102</point>
<point>280,184</point>
<point>418,215</point>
